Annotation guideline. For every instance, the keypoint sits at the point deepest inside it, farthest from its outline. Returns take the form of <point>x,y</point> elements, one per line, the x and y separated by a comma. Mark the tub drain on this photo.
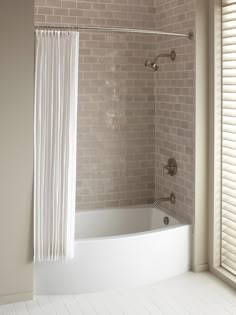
<point>166,220</point>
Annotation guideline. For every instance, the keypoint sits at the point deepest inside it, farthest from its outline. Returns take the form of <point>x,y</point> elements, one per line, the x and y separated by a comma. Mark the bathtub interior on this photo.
<point>121,221</point>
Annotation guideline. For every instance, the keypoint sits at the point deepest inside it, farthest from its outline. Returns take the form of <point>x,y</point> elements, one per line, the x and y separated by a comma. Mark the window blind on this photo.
<point>228,158</point>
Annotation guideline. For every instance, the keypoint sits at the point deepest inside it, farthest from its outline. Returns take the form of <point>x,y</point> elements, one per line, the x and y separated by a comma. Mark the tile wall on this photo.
<point>175,106</point>
<point>116,113</point>
<point>130,119</point>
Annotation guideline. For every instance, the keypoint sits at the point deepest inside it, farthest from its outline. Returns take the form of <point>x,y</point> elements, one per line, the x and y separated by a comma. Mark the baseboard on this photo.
<point>201,268</point>
<point>13,298</point>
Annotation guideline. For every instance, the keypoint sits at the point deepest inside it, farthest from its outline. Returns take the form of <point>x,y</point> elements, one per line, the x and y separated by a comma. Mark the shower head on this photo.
<point>153,64</point>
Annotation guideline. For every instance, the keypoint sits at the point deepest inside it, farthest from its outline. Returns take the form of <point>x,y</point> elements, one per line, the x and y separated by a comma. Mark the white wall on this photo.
<point>16,153</point>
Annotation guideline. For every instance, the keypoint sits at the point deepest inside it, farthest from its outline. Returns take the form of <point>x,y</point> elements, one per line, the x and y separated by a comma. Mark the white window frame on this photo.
<point>214,144</point>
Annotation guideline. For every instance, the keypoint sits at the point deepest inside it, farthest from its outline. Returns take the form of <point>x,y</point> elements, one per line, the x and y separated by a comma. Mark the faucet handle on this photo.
<point>172,198</point>
<point>171,167</point>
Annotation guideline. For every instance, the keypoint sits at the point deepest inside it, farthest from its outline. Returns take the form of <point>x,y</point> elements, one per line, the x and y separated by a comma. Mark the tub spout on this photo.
<point>171,199</point>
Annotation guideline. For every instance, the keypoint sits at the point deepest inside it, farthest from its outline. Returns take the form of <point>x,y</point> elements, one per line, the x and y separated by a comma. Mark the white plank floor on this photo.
<point>188,294</point>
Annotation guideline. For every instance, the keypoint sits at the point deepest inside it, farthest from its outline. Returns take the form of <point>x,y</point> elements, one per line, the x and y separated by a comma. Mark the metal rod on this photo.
<point>113,29</point>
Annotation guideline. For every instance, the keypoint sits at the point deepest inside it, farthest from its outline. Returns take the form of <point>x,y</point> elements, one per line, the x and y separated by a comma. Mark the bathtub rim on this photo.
<point>180,223</point>
<point>130,235</point>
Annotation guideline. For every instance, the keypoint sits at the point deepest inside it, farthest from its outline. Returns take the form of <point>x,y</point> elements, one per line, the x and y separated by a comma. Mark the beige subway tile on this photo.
<point>53,19</point>
<point>45,11</point>
<point>98,6</point>
<point>76,12</point>
<point>69,4</point>
<point>39,18</point>
<point>83,21</point>
<point>60,11</point>
<point>83,5</point>
<point>98,21</point>
<point>123,203</point>
<point>90,13</point>
<point>54,3</point>
<point>70,20</point>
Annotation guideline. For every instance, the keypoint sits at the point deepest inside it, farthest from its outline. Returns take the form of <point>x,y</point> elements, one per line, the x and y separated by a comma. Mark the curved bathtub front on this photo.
<point>122,261</point>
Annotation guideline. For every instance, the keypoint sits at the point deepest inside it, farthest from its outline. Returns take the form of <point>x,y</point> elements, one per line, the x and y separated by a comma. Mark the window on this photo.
<point>228,137</point>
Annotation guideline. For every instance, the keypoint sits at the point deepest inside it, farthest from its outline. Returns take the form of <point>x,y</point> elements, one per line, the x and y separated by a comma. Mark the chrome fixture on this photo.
<point>171,199</point>
<point>166,220</point>
<point>112,29</point>
<point>153,64</point>
<point>171,167</point>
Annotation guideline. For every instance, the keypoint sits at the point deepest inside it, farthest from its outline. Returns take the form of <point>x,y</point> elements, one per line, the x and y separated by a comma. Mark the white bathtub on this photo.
<point>118,248</point>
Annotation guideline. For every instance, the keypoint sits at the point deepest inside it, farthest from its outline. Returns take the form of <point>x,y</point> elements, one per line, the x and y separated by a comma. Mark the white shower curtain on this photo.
<point>56,97</point>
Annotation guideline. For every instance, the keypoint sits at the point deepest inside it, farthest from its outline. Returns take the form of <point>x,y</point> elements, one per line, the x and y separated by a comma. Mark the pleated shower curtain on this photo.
<point>55,126</point>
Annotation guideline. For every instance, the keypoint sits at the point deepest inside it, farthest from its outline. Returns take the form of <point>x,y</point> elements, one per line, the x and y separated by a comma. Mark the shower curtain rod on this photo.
<point>114,29</point>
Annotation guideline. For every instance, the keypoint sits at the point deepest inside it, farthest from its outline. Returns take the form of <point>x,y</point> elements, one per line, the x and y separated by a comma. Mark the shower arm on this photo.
<point>172,56</point>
